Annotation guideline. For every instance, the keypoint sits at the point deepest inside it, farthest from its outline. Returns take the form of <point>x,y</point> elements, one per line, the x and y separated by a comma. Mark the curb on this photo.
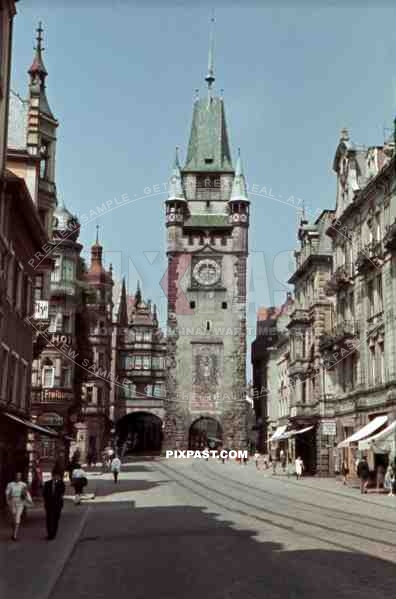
<point>60,564</point>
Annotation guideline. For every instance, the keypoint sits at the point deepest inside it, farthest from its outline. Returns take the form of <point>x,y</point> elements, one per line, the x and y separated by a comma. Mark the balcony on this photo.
<point>62,287</point>
<point>299,316</point>
<point>340,279</point>
<point>368,257</point>
<point>338,336</point>
<point>390,237</point>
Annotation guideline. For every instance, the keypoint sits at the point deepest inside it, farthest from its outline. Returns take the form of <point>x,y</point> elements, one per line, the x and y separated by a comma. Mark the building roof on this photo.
<point>208,148</point>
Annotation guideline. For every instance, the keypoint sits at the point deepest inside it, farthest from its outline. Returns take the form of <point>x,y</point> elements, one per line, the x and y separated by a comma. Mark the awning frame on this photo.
<point>360,434</point>
<point>36,427</point>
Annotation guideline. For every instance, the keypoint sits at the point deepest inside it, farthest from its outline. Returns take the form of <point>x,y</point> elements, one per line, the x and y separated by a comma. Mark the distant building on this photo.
<point>139,392</point>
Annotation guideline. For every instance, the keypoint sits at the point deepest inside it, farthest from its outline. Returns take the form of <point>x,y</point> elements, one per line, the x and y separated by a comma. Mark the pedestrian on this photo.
<point>257,460</point>
<point>380,476</point>
<point>344,472</point>
<point>273,465</point>
<point>79,481</point>
<point>299,468</point>
<point>115,468</point>
<point>18,498</point>
<point>53,492</point>
<point>389,482</point>
<point>37,480</point>
<point>363,473</point>
<point>73,465</point>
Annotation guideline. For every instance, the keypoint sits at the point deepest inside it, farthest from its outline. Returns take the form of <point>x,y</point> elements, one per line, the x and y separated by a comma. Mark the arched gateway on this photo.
<point>139,433</point>
<point>205,432</point>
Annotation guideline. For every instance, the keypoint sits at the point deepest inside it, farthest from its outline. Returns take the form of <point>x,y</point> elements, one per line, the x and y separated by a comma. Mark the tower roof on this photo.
<point>239,185</point>
<point>208,148</point>
<point>65,222</point>
<point>175,191</point>
<point>38,73</point>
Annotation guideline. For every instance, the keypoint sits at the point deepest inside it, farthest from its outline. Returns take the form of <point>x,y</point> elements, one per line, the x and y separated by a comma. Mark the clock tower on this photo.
<point>207,220</point>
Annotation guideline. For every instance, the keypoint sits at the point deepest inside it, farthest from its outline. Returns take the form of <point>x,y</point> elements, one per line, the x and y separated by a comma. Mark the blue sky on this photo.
<point>121,82</point>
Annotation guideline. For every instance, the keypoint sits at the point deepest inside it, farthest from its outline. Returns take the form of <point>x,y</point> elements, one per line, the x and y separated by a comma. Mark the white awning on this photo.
<point>296,432</point>
<point>278,433</point>
<point>381,441</point>
<point>35,427</point>
<point>366,431</point>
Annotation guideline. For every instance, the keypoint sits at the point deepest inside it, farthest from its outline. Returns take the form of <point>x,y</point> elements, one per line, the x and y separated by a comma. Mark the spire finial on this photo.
<point>177,161</point>
<point>39,37</point>
<point>210,78</point>
<point>97,234</point>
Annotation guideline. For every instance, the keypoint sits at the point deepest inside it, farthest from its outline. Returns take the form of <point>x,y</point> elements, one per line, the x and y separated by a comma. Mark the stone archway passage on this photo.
<point>139,433</point>
<point>205,432</point>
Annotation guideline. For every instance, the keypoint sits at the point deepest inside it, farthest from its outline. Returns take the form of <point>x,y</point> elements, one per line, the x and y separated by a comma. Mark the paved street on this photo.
<point>204,529</point>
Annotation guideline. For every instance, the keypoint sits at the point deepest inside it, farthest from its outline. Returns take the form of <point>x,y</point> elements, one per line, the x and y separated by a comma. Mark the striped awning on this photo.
<point>364,432</point>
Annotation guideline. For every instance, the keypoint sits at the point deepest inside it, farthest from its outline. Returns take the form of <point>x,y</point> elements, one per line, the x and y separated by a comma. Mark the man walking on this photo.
<point>363,473</point>
<point>115,468</point>
<point>54,490</point>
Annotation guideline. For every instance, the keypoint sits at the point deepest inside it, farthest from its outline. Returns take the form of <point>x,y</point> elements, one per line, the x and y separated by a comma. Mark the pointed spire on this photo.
<point>239,191</point>
<point>210,77</point>
<point>175,191</point>
<point>38,73</point>
<point>96,254</point>
<point>122,308</point>
<point>97,235</point>
<point>38,67</point>
<point>138,294</point>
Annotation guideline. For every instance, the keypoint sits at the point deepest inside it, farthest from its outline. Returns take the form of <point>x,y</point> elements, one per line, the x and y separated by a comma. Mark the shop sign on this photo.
<point>50,419</point>
<point>329,428</point>
<point>40,310</point>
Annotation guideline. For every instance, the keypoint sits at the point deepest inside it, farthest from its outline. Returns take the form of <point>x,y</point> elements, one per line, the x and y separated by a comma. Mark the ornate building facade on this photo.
<point>139,385</point>
<point>359,347</point>
<point>207,220</point>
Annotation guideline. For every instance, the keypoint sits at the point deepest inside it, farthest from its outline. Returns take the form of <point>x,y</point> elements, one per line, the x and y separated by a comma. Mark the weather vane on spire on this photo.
<point>97,234</point>
<point>210,78</point>
<point>39,37</point>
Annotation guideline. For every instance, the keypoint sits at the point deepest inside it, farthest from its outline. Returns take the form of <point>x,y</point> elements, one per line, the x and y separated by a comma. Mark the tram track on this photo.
<point>263,493</point>
<point>190,483</point>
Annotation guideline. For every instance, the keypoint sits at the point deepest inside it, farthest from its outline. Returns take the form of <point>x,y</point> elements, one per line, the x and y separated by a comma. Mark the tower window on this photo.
<point>224,305</point>
<point>192,305</point>
<point>224,240</point>
<point>208,325</point>
<point>208,160</point>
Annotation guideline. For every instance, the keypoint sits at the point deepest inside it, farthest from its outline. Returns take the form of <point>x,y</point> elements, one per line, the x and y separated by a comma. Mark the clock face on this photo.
<point>206,272</point>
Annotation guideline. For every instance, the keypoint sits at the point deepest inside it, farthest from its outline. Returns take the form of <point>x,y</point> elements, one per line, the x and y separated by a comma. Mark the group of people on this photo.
<point>385,478</point>
<point>266,461</point>
<point>19,499</point>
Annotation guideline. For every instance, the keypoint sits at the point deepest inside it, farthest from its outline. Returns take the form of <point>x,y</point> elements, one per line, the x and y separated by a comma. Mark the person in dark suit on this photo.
<point>53,492</point>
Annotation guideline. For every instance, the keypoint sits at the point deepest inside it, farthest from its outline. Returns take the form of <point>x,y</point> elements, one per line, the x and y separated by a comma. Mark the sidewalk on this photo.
<point>30,567</point>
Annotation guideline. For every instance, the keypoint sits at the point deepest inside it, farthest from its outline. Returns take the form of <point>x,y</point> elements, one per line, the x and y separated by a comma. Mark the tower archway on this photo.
<point>205,432</point>
<point>139,433</point>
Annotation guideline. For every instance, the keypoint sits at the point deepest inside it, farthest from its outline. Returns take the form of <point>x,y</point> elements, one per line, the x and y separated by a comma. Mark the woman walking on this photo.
<point>389,482</point>
<point>299,468</point>
<point>344,472</point>
<point>18,496</point>
<point>79,480</point>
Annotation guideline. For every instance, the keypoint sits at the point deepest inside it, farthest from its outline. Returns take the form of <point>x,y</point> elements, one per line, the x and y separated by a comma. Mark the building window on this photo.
<point>138,362</point>
<point>146,362</point>
<point>23,387</point>
<point>381,360</point>
<point>89,394</point>
<point>224,305</point>
<point>12,378</point>
<point>11,278</point>
<point>44,160</point>
<point>372,365</point>
<point>149,390</point>
<point>67,269</point>
<point>38,287</point>
<point>55,273</point>
<point>4,355</point>
<point>19,287</point>
<point>157,390</point>
<point>208,325</point>
<point>370,298</point>
<point>190,240</point>
<point>192,305</point>
<point>380,303</point>
<point>52,323</point>
<point>147,337</point>
<point>66,376</point>
<point>48,376</point>
<point>139,336</point>
<point>66,323</point>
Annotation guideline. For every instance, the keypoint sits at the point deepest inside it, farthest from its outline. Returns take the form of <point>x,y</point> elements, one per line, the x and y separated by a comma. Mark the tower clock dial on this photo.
<point>207,272</point>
